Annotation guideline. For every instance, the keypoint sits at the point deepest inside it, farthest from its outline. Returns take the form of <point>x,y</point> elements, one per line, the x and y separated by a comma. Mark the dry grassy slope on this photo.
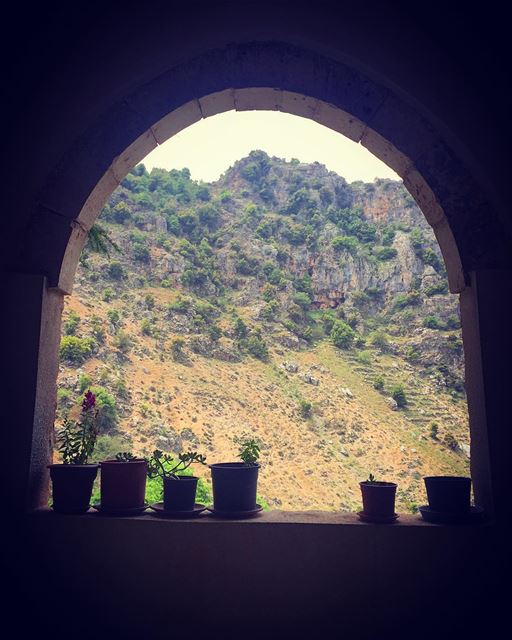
<point>311,463</point>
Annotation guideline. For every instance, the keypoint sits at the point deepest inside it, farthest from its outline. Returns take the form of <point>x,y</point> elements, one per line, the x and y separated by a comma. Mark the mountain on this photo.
<point>281,302</point>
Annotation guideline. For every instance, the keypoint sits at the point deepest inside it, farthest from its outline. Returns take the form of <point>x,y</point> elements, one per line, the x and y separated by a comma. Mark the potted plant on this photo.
<point>378,500</point>
<point>234,484</point>
<point>73,479</point>
<point>448,494</point>
<point>179,490</point>
<point>123,483</point>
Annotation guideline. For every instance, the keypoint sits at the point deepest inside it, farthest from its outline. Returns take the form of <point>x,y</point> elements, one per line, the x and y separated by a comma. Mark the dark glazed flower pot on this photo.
<point>180,493</point>
<point>72,486</point>
<point>234,486</point>
<point>448,494</point>
<point>378,498</point>
<point>123,484</point>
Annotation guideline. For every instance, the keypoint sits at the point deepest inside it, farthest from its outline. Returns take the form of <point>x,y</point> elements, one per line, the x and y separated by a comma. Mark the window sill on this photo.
<point>274,517</point>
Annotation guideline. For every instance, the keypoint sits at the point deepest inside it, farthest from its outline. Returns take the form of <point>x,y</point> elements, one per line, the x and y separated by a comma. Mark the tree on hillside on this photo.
<point>342,335</point>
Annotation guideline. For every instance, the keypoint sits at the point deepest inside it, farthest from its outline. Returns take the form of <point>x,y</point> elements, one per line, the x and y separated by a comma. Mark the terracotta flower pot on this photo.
<point>234,486</point>
<point>378,498</point>
<point>180,493</point>
<point>448,494</point>
<point>72,486</point>
<point>123,484</point>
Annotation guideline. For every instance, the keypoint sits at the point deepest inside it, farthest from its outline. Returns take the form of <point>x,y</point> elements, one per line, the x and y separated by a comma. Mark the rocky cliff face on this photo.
<point>280,299</point>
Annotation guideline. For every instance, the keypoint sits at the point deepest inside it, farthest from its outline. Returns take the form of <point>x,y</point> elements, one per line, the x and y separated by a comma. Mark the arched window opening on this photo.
<point>280,300</point>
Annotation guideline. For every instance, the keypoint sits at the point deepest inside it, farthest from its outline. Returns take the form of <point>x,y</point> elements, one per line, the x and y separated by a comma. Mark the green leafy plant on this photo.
<point>76,440</point>
<point>249,451</point>
<point>398,394</point>
<point>165,465</point>
<point>125,456</point>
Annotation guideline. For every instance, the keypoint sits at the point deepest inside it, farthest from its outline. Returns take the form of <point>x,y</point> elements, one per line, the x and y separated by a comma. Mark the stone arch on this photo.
<point>268,99</point>
<point>269,76</point>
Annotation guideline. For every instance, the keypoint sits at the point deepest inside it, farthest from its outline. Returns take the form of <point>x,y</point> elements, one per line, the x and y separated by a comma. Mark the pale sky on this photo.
<point>211,146</point>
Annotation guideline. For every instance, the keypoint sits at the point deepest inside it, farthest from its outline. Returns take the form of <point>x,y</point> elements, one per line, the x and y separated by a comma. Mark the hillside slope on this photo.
<point>279,301</point>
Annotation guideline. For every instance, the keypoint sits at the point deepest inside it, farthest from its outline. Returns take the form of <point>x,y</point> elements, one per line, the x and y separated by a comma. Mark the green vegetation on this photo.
<point>398,394</point>
<point>249,451</point>
<point>342,335</point>
<point>71,323</point>
<point>76,440</point>
<point>76,350</point>
<point>165,465</point>
<point>305,409</point>
<point>177,349</point>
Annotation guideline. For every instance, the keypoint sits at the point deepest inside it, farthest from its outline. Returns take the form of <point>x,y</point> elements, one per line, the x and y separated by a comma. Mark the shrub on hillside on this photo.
<point>328,319</point>
<point>345,243</point>
<point>451,442</point>
<point>388,235</point>
<point>115,270</point>
<point>430,257</point>
<point>84,383</point>
<point>385,253</point>
<point>302,299</point>
<point>120,213</point>
<point>380,340</point>
<point>398,394</point>
<point>214,332</point>
<point>107,409</point>
<point>97,329</point>
<point>141,253</point>
<point>64,398</point>
<point>433,322</point>
<point>256,346</point>
<point>203,193</point>
<point>364,357</point>
<point>194,277</point>
<point>123,341</point>
<point>71,323</point>
<point>270,310</point>
<point>76,350</point>
<point>453,322</point>
<point>114,318</point>
<point>107,447</point>
<point>439,288</point>
<point>240,329</point>
<point>378,383</point>
<point>403,300</point>
<point>108,295</point>
<point>305,409</point>
<point>146,327</point>
<point>177,349</point>
<point>342,335</point>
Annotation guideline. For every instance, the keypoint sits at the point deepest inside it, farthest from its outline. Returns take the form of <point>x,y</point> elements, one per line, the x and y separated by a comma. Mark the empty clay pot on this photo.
<point>448,494</point>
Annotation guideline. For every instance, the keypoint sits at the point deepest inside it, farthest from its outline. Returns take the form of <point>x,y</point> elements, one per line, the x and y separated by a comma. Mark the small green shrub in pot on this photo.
<point>235,484</point>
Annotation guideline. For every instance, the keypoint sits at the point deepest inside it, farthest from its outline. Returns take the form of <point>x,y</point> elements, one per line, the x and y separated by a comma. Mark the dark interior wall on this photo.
<point>65,69</point>
<point>276,577</point>
<point>69,66</point>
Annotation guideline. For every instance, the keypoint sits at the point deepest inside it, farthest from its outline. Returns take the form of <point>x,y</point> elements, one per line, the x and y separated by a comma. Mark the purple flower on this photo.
<point>89,401</point>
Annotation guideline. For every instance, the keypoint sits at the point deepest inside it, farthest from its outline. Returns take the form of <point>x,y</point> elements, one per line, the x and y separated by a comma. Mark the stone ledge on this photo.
<point>316,518</point>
